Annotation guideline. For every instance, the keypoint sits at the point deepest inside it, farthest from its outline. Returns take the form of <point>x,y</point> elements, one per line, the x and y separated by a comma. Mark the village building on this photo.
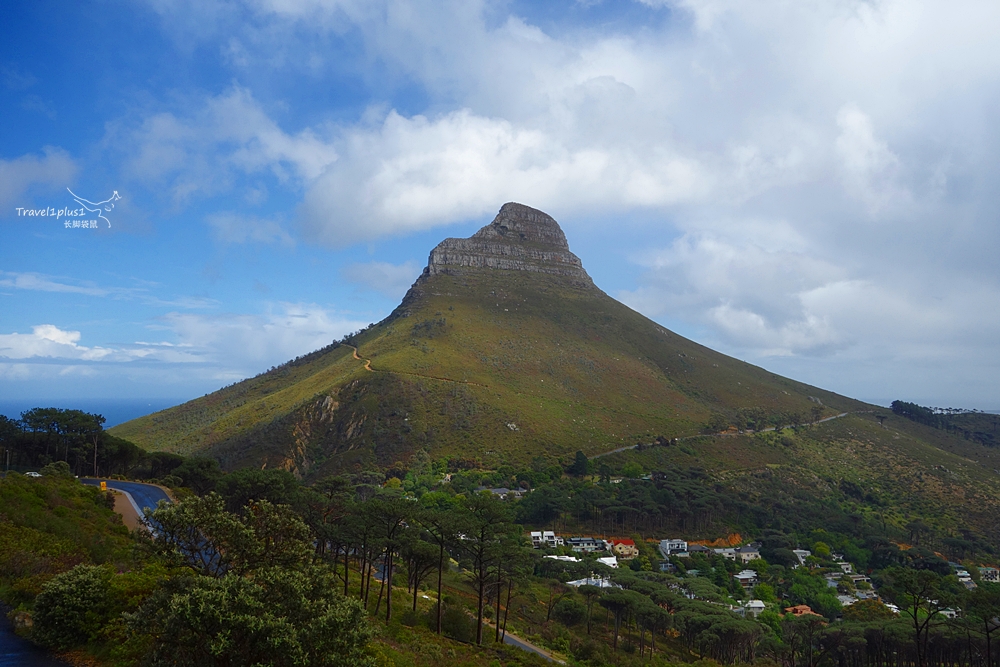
<point>623,548</point>
<point>600,582</point>
<point>801,554</point>
<point>747,579</point>
<point>672,547</point>
<point>585,545</point>
<point>752,609</point>
<point>545,539</point>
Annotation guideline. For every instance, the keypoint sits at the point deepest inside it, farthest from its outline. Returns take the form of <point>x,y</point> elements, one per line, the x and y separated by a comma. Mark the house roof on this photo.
<point>630,543</point>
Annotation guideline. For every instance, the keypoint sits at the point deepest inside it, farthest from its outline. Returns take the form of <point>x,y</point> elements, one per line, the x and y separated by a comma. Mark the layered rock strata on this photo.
<point>520,238</point>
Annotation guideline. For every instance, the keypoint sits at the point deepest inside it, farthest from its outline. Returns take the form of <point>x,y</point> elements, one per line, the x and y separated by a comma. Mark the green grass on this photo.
<point>47,526</point>
<point>570,367</point>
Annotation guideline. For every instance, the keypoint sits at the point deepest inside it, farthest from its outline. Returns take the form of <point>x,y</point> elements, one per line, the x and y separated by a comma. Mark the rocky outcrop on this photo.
<point>520,238</point>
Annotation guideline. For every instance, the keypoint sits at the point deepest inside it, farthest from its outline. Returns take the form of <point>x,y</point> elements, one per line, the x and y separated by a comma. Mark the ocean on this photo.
<point>115,410</point>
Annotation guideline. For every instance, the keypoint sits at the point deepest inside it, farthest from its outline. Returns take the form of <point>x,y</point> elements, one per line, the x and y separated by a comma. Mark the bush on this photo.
<point>73,606</point>
<point>57,469</point>
<point>569,611</point>
<point>457,624</point>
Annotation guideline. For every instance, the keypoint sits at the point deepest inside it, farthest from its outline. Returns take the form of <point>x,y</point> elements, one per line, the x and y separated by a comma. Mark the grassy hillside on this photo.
<point>500,366</point>
<point>853,470</point>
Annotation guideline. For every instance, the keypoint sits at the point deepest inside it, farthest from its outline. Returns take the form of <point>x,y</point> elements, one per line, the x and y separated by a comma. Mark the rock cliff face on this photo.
<point>520,238</point>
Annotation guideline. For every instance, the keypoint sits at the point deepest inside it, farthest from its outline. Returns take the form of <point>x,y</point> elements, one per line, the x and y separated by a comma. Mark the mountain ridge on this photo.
<point>496,315</point>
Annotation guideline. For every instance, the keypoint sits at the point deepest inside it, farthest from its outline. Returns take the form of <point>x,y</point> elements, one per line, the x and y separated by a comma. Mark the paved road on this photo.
<point>18,652</point>
<point>531,648</point>
<point>141,495</point>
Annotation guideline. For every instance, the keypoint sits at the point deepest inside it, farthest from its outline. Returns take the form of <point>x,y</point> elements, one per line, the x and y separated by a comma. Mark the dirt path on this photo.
<point>368,367</point>
<point>126,509</point>
<point>721,435</point>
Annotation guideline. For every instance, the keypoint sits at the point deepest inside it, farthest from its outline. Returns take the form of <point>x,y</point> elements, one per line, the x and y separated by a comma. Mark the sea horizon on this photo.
<point>114,410</point>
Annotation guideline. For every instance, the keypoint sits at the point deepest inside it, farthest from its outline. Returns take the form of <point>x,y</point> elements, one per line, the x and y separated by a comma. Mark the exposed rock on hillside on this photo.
<point>520,238</point>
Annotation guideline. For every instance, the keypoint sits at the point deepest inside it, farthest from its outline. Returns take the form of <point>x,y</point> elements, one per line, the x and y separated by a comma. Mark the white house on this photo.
<point>610,561</point>
<point>747,554</point>
<point>747,578</point>
<point>802,554</point>
<point>600,582</point>
<point>752,608</point>
<point>545,538</point>
<point>668,547</point>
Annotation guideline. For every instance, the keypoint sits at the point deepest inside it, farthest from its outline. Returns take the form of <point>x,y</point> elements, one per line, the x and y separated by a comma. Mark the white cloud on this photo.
<point>223,347</point>
<point>828,168</point>
<point>19,177</point>
<point>244,344</point>
<point>233,228</point>
<point>60,284</point>
<point>47,340</point>
<point>414,173</point>
<point>390,280</point>
<point>202,152</point>
<point>42,283</point>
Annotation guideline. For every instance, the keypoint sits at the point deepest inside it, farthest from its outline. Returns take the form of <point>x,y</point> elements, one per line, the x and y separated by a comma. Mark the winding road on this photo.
<point>139,495</point>
<point>725,434</point>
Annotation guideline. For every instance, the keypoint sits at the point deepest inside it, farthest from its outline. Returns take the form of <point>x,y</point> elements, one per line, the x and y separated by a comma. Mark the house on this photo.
<point>585,545</point>
<point>698,549</point>
<point>801,554</point>
<point>623,548</point>
<point>801,610</point>
<point>545,539</point>
<point>846,600</point>
<point>567,559</point>
<point>503,492</point>
<point>667,567</point>
<point>752,608</point>
<point>610,561</point>
<point>989,574</point>
<point>859,579</point>
<point>668,547</point>
<point>729,554</point>
<point>600,582</point>
<point>747,579</point>
<point>747,554</point>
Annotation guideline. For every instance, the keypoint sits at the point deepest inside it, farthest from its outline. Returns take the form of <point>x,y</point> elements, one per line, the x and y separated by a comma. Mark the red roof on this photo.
<point>628,543</point>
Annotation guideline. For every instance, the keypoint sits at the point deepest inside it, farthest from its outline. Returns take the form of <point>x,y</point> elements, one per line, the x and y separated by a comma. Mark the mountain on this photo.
<point>502,350</point>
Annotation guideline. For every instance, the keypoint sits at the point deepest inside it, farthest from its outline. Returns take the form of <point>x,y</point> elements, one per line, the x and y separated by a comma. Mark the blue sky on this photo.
<point>811,187</point>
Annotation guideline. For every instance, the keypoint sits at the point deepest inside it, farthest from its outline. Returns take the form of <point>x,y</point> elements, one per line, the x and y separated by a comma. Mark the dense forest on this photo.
<point>422,563</point>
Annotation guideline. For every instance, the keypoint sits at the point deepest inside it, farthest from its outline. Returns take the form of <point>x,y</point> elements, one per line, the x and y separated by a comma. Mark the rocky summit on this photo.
<point>520,238</point>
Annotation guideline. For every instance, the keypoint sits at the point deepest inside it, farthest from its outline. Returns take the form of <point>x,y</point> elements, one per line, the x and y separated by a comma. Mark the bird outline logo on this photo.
<point>99,207</point>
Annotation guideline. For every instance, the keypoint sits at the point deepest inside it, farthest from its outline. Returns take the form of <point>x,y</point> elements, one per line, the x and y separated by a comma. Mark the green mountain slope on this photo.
<point>502,351</point>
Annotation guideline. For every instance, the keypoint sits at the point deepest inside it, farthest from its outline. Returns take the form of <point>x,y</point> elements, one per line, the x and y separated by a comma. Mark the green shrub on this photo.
<point>457,624</point>
<point>73,606</point>
<point>57,469</point>
<point>569,611</point>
